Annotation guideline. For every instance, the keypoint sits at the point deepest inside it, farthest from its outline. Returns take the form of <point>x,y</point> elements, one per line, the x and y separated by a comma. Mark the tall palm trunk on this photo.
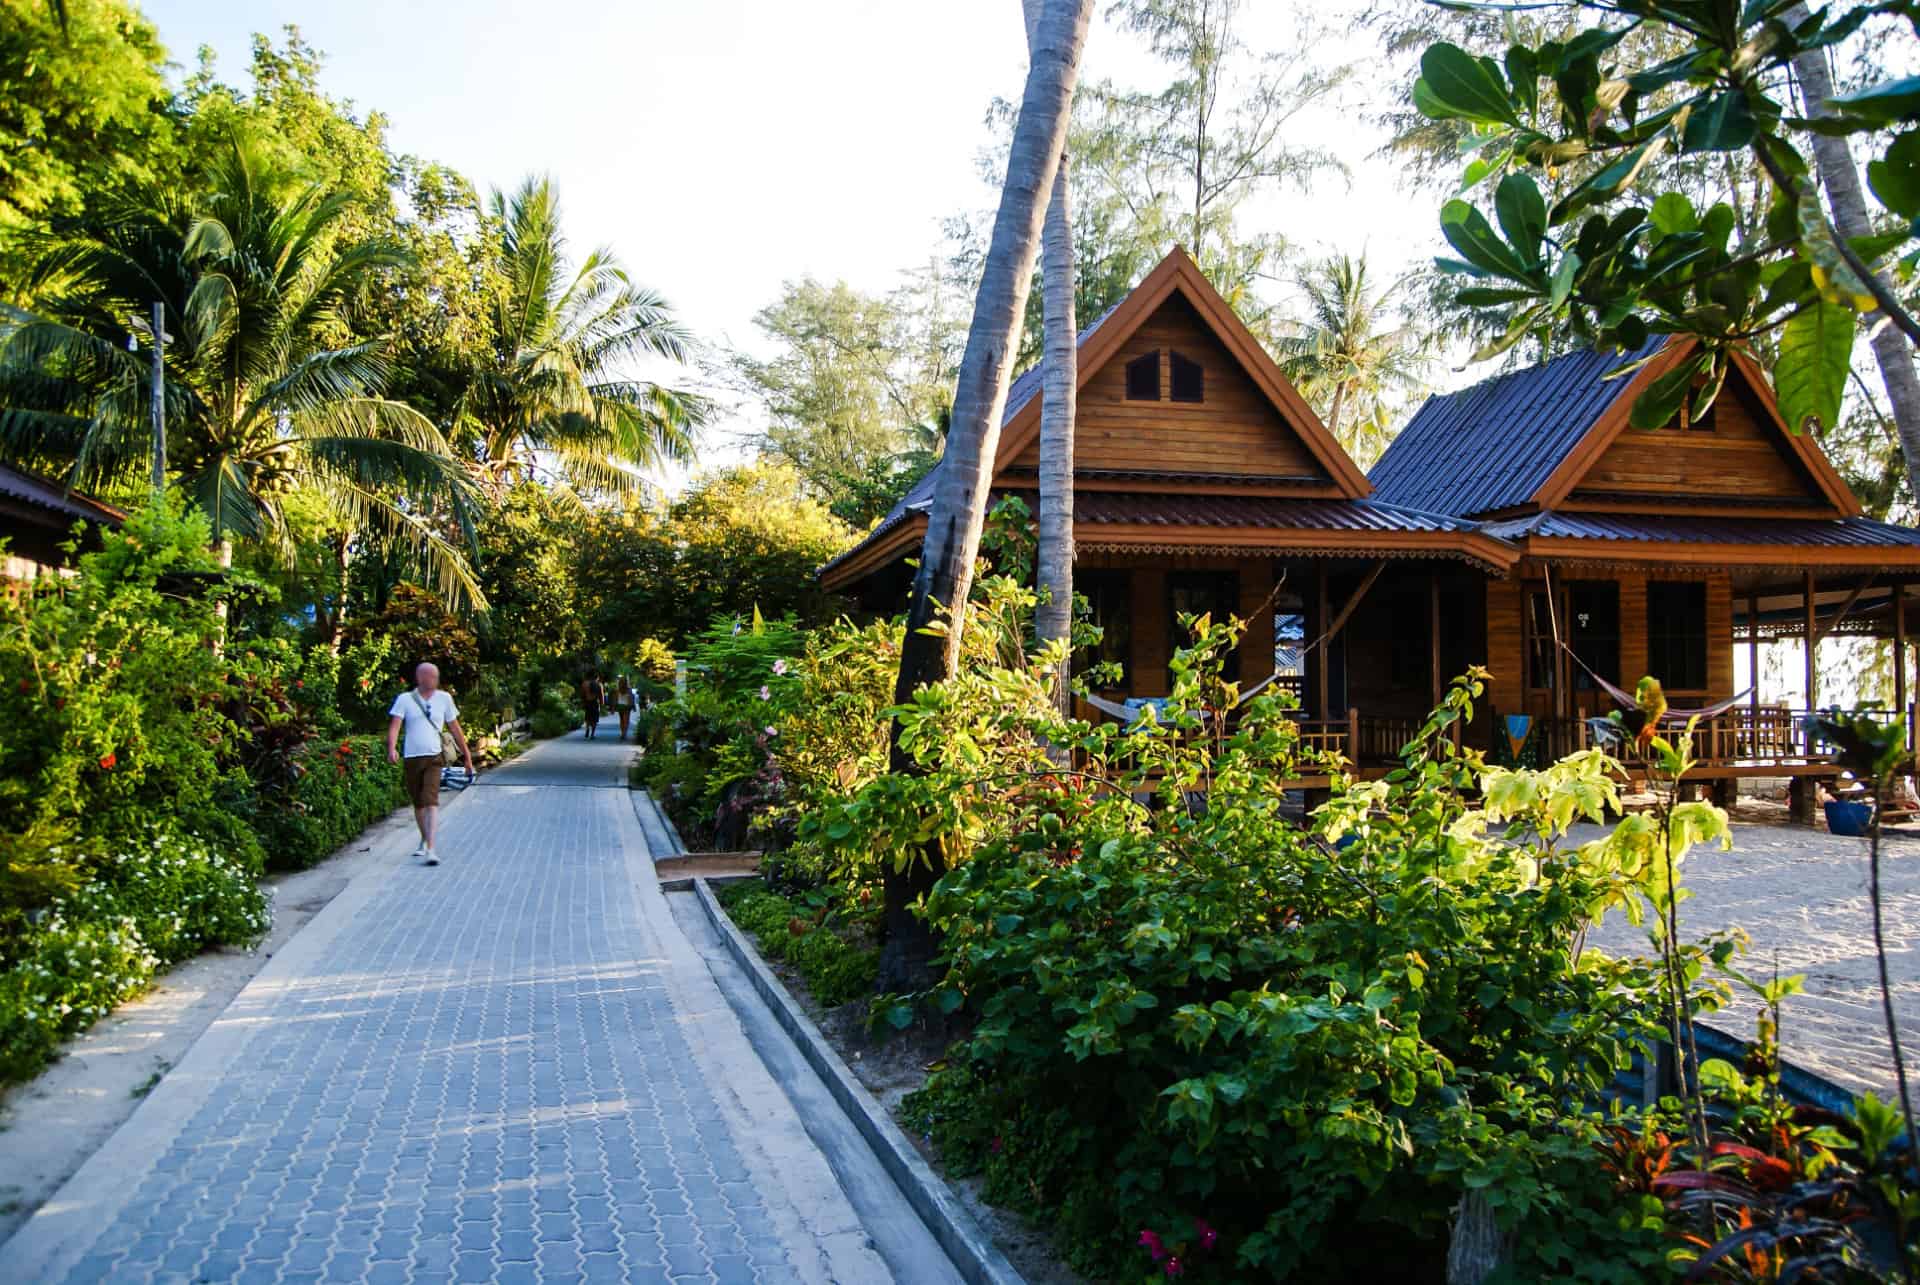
<point>1891,348</point>
<point>1053,620</point>
<point>980,398</point>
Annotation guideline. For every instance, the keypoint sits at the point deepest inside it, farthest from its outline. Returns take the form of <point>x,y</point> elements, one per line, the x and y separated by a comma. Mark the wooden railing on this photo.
<point>1746,736</point>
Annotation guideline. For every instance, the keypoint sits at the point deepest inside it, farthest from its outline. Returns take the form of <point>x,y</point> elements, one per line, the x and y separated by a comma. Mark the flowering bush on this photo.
<point>141,905</point>
<point>339,789</point>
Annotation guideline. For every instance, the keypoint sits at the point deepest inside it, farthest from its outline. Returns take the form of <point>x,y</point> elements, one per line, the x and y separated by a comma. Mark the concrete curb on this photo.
<point>654,819</point>
<point>969,1247</point>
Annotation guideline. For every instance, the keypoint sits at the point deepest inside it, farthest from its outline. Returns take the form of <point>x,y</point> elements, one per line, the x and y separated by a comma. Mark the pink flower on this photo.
<point>997,1148</point>
<point>1173,1266</point>
<point>1150,1241</point>
<point>1208,1236</point>
<point>772,730</point>
<point>779,666</point>
<point>765,694</point>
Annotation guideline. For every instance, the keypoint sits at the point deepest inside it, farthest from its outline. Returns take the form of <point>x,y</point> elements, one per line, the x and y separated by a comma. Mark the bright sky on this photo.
<point>724,146</point>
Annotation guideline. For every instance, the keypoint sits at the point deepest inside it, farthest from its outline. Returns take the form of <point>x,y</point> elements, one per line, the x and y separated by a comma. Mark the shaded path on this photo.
<point>509,1067</point>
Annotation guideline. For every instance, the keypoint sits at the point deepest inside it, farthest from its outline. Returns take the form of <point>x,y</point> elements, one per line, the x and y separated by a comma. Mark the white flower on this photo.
<point>772,730</point>
<point>765,694</point>
<point>779,666</point>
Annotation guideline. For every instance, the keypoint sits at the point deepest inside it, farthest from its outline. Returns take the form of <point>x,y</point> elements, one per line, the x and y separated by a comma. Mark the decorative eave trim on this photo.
<point>1669,553</point>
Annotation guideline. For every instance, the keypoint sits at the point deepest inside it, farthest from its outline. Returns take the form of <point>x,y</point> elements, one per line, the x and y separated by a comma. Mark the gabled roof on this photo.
<point>1494,445</point>
<point>1100,341</point>
<point>1525,439</point>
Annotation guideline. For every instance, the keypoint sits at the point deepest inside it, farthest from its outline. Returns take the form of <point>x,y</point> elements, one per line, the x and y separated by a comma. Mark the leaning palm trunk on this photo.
<point>1053,619</point>
<point>980,397</point>
<point>1837,174</point>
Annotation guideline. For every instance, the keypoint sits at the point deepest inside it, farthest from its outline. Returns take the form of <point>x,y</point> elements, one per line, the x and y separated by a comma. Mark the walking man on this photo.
<point>421,713</point>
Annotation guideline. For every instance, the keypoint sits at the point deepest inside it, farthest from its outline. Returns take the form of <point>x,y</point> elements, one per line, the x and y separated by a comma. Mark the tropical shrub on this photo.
<point>556,713</point>
<point>709,759</point>
<point>136,907</point>
<point>812,935</point>
<point>339,788</point>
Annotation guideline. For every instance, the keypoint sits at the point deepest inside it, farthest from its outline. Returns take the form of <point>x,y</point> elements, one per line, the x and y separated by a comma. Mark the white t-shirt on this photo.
<point>422,733</point>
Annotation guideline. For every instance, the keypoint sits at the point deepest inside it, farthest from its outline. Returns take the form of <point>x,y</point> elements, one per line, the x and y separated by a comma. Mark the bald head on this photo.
<point>426,676</point>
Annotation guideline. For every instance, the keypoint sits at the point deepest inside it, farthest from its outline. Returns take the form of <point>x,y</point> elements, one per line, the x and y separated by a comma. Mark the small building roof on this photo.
<point>1493,445</point>
<point>60,505</point>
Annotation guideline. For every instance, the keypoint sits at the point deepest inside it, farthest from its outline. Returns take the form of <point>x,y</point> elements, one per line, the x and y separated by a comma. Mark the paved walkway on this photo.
<point>1801,896</point>
<point>508,1068</point>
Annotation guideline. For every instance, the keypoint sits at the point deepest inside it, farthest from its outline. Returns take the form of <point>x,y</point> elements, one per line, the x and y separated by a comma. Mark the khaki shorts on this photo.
<point>423,780</point>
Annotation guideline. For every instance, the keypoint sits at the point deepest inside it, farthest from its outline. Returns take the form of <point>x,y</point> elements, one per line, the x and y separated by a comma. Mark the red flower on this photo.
<point>1173,1266</point>
<point>107,760</point>
<point>346,748</point>
<point>26,684</point>
<point>297,684</point>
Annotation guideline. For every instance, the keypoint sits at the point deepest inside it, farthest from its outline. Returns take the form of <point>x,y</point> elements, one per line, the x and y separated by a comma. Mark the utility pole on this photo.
<point>158,392</point>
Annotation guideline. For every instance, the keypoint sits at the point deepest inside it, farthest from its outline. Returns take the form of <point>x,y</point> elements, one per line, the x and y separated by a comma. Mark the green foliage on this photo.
<point>80,108</point>
<point>1615,271</point>
<point>710,760</point>
<point>557,711</point>
<point>809,937</point>
<point>742,539</point>
<point>340,788</point>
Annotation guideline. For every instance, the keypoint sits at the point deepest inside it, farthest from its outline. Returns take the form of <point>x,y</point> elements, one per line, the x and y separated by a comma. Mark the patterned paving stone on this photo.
<point>482,1078</point>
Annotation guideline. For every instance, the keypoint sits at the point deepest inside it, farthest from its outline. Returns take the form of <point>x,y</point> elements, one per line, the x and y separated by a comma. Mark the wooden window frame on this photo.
<point>1134,393</point>
<point>1176,360</point>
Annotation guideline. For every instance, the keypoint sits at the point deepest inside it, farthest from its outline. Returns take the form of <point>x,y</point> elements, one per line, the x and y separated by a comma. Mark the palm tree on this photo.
<point>980,397</point>
<point>1060,358</point>
<point>551,396</point>
<point>268,391</point>
<point>1351,355</point>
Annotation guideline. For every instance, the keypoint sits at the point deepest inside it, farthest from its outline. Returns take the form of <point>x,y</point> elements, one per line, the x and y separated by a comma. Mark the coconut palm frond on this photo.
<point>395,527</point>
<point>222,490</point>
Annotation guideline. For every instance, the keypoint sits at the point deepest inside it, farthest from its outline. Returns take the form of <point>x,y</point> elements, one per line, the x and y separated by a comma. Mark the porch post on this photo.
<point>1321,710</point>
<point>1753,656</point>
<point>1813,644</point>
<point>1433,638</point>
<point>1900,656</point>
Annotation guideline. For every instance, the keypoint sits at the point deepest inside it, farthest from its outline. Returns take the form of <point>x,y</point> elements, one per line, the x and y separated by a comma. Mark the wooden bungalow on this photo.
<point>37,517</point>
<point>1504,516</point>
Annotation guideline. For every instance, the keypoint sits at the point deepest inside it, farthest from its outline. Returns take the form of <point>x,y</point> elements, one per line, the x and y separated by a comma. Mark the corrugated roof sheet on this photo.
<point>1491,446</point>
<point>1805,532</point>
<point>1122,508</point>
<point>47,494</point>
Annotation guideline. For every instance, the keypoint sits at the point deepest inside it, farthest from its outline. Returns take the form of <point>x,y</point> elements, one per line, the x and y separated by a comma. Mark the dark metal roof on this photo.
<point>60,502</point>
<point>1491,446</point>
<point>1804,532</point>
<point>1123,508</point>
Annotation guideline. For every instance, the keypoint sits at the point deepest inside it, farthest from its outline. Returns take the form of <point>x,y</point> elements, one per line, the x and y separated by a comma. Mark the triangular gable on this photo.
<point>1174,291</point>
<point>1748,461</point>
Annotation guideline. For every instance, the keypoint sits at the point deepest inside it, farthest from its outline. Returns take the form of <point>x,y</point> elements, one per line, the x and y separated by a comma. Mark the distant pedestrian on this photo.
<point>592,697</point>
<point>421,714</point>
<point>623,703</point>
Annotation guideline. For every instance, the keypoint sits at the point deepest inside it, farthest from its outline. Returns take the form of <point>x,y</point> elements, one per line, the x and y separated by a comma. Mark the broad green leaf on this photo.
<point>1522,213</point>
<point>1723,124</point>
<point>1460,85</point>
<point>1884,103</point>
<point>1816,350</point>
<point>1656,407</point>
<point>1895,178</point>
<point>1563,278</point>
<point>1468,231</point>
<point>1673,213</point>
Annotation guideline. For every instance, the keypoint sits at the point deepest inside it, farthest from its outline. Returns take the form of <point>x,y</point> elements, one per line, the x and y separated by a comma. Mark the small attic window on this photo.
<point>1143,377</point>
<point>1189,381</point>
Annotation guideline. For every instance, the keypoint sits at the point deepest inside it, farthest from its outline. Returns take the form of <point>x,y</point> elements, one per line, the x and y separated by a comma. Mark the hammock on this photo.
<point>1128,713</point>
<point>1625,699</point>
